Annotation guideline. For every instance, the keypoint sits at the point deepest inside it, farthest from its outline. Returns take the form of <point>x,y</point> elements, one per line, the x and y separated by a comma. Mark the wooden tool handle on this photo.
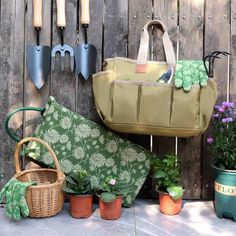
<point>61,13</point>
<point>85,19</point>
<point>37,20</point>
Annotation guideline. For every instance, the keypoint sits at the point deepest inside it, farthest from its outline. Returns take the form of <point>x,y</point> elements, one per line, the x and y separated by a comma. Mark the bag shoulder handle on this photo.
<point>144,47</point>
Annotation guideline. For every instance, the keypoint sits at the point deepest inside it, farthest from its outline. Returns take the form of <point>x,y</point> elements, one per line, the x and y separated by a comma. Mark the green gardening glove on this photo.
<point>190,73</point>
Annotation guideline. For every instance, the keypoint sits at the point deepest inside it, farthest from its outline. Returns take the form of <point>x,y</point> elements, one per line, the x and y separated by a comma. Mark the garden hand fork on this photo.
<point>62,48</point>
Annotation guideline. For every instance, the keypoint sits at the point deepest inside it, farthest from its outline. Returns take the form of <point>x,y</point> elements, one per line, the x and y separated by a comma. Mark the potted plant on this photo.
<point>78,186</point>
<point>166,173</point>
<point>110,194</point>
<point>222,144</point>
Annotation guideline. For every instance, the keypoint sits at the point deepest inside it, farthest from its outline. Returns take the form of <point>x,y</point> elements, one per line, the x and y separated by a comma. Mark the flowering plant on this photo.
<point>222,141</point>
<point>111,188</point>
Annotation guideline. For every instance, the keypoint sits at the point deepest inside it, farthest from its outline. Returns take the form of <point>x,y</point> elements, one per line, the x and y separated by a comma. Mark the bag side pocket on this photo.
<point>185,108</point>
<point>124,102</point>
<point>155,104</point>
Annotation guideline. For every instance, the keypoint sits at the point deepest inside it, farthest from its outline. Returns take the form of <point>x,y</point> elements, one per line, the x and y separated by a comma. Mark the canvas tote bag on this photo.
<point>128,98</point>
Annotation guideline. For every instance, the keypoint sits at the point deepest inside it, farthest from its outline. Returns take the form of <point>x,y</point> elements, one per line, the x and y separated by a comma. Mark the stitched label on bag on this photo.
<point>225,189</point>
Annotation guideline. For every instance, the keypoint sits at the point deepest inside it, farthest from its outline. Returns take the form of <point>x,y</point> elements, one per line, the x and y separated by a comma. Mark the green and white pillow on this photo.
<point>82,144</point>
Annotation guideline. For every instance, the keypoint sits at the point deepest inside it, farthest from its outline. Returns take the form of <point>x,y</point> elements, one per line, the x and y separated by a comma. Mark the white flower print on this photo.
<point>55,115</point>
<point>147,163</point>
<point>79,153</point>
<point>125,176</point>
<point>94,181</point>
<point>114,169</point>
<point>98,160</point>
<point>95,133</point>
<point>66,123</point>
<point>112,146</point>
<point>82,131</point>
<point>109,162</point>
<point>66,166</point>
<point>47,159</point>
<point>76,168</point>
<point>64,138</point>
<point>141,157</point>
<point>49,110</point>
<point>129,154</point>
<point>101,139</point>
<point>68,146</point>
<point>51,136</point>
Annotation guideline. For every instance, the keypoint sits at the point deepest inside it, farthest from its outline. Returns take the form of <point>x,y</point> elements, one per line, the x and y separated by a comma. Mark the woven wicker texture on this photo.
<point>47,198</point>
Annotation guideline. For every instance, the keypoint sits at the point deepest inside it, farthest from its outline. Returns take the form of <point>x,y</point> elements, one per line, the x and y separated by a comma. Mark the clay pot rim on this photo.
<point>81,195</point>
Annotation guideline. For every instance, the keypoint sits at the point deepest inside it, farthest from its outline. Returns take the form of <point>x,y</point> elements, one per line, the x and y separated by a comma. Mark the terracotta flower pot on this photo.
<point>81,206</point>
<point>110,210</point>
<point>168,205</point>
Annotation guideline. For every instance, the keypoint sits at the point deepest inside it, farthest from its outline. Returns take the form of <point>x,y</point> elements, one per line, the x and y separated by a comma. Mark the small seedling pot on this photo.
<point>81,206</point>
<point>168,205</point>
<point>110,210</point>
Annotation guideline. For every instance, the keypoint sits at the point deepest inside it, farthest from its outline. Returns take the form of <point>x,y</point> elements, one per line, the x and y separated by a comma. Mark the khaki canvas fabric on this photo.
<point>128,98</point>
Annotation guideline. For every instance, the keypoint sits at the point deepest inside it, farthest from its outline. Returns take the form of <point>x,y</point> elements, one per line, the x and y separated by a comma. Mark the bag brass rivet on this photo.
<point>135,17</point>
<point>183,16</point>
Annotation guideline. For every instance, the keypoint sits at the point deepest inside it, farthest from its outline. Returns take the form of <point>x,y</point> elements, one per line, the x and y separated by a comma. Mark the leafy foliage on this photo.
<point>110,189</point>
<point>78,183</point>
<point>166,172</point>
<point>222,141</point>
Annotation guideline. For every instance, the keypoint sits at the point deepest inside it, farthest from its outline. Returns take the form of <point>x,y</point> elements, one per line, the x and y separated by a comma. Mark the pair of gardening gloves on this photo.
<point>14,193</point>
<point>190,72</point>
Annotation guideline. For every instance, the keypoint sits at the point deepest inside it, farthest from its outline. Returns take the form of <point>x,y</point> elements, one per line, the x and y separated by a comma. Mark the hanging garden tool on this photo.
<point>211,59</point>
<point>85,53</point>
<point>38,57</point>
<point>62,48</point>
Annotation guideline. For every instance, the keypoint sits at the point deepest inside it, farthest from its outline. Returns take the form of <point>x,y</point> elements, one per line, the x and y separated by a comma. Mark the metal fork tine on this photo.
<point>62,62</point>
<point>72,62</point>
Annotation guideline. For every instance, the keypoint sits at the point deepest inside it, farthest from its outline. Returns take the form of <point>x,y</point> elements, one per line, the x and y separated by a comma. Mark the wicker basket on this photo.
<point>47,198</point>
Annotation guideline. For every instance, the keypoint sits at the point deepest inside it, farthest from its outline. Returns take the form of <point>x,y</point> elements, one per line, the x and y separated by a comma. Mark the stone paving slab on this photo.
<point>143,219</point>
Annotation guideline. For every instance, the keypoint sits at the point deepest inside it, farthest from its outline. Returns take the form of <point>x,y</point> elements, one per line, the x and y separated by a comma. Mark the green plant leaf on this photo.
<point>70,180</point>
<point>175,192</point>
<point>160,174</point>
<point>108,197</point>
<point>68,190</point>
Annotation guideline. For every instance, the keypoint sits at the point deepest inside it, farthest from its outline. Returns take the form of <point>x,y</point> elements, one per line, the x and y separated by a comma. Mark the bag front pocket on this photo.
<point>124,102</point>
<point>155,104</point>
<point>185,108</point>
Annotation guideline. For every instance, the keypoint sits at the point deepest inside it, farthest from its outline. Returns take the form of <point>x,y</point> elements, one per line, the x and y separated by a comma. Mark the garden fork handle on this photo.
<point>61,14</point>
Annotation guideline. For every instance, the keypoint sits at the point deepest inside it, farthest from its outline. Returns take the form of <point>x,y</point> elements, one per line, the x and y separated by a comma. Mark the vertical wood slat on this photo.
<point>167,12</point>
<point>191,16</point>
<point>217,37</point>
<point>33,96</point>
<point>140,12</point>
<point>11,77</point>
<point>63,83</point>
<point>85,99</point>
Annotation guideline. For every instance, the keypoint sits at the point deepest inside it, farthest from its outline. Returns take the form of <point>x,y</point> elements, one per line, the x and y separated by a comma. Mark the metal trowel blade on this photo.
<point>38,59</point>
<point>85,60</point>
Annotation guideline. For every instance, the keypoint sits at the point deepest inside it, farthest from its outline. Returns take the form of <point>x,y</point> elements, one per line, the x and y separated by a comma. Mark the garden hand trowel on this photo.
<point>38,57</point>
<point>86,53</point>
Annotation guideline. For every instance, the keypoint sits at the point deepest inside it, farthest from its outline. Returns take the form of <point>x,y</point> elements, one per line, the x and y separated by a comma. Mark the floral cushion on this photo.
<point>82,144</point>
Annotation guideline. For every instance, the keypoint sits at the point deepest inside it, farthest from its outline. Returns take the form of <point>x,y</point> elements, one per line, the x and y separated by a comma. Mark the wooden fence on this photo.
<point>196,27</point>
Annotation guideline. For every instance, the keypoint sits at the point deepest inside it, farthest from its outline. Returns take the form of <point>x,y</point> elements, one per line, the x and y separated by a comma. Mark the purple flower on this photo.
<point>215,116</point>
<point>228,104</point>
<point>210,140</point>
<point>227,120</point>
<point>217,107</point>
<point>221,109</point>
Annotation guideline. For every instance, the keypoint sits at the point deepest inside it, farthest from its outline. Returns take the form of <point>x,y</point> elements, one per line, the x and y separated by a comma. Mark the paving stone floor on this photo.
<point>143,219</point>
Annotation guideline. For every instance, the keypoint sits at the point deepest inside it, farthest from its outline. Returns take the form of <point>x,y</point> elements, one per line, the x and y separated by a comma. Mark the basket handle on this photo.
<point>10,114</point>
<point>45,144</point>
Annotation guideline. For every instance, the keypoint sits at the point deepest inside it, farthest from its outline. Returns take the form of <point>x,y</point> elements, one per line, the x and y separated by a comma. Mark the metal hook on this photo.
<point>210,59</point>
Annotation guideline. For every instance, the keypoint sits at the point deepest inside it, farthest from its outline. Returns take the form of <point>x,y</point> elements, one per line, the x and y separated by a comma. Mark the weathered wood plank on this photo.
<point>11,78</point>
<point>63,83</point>
<point>165,11</point>
<point>233,52</point>
<point>217,37</point>
<point>140,12</point>
<point>191,47</point>
<point>85,101</point>
<point>33,96</point>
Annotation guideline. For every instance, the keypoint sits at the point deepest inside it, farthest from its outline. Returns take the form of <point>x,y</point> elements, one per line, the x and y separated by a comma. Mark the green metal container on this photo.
<point>225,192</point>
